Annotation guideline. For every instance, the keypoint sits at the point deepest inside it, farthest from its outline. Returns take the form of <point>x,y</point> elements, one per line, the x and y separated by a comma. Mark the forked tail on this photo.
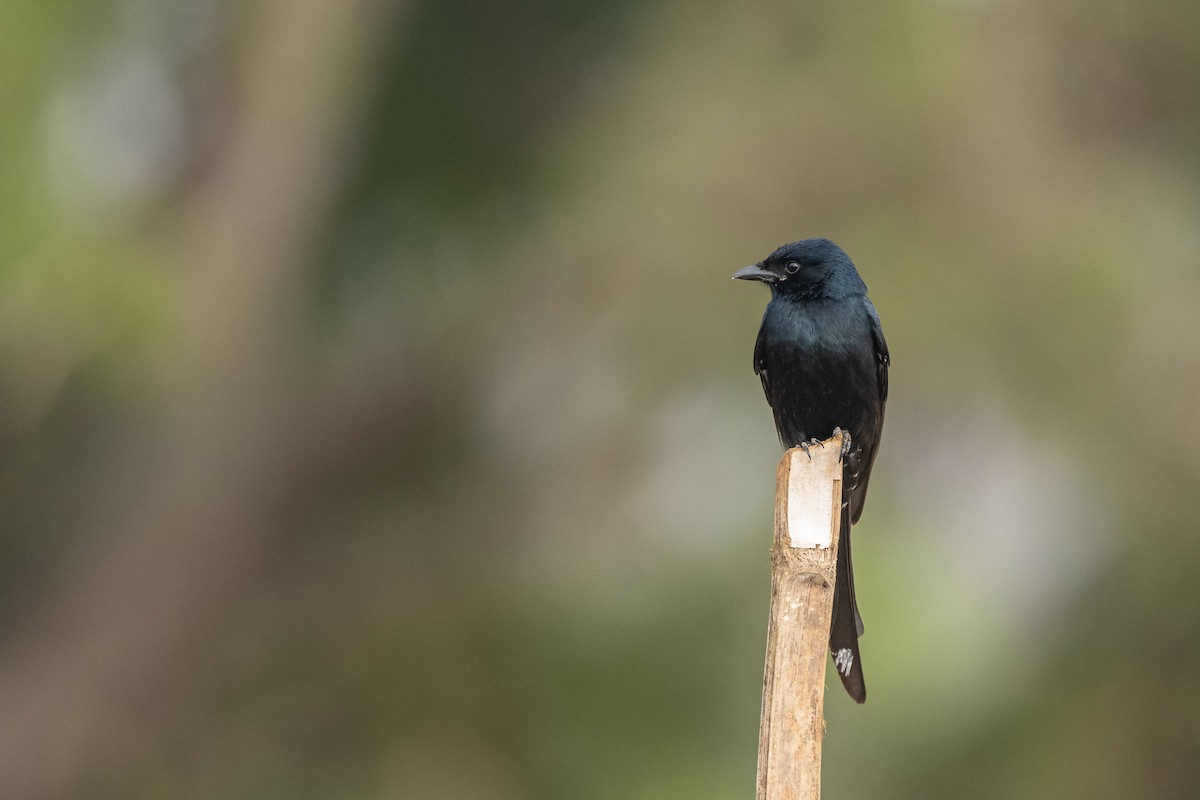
<point>847,624</point>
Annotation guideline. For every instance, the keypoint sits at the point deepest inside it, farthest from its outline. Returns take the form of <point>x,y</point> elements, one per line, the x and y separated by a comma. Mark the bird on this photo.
<point>823,363</point>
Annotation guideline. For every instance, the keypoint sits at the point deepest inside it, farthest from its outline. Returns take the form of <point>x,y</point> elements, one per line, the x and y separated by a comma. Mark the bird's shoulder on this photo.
<point>877,331</point>
<point>883,356</point>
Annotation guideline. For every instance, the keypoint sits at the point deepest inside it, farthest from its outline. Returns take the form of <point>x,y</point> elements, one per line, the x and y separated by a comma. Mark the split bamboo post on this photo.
<point>803,568</point>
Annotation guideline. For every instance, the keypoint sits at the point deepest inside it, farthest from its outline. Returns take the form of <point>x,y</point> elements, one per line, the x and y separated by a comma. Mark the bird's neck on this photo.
<point>808,293</point>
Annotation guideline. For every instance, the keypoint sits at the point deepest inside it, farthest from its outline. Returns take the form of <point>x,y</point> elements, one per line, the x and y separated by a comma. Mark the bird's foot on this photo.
<point>806,445</point>
<point>845,440</point>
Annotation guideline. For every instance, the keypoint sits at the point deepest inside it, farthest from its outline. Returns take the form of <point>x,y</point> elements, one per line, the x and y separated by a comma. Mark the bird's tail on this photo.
<point>847,624</point>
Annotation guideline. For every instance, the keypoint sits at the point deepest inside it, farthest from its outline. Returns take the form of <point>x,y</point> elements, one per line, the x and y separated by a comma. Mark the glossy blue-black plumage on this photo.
<point>823,363</point>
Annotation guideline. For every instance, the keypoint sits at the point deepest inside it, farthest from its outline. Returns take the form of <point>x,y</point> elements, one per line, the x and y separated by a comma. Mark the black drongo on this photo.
<point>824,366</point>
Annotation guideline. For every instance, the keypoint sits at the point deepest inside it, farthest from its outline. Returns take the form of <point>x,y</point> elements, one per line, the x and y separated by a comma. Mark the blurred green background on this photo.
<point>378,420</point>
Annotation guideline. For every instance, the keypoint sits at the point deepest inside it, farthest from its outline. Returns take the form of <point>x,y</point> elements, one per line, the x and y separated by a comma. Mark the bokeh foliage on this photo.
<point>378,418</point>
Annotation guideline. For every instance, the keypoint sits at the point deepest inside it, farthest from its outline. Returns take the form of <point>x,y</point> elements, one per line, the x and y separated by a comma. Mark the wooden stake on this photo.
<point>804,559</point>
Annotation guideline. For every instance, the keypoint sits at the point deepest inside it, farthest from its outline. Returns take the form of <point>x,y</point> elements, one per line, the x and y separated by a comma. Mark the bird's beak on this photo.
<point>755,272</point>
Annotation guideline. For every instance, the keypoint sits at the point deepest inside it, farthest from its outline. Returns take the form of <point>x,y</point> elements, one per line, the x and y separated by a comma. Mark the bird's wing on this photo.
<point>882,356</point>
<point>760,362</point>
<point>861,463</point>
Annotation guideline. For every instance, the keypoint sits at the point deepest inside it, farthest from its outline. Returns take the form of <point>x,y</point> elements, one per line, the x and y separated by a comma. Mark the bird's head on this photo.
<point>808,269</point>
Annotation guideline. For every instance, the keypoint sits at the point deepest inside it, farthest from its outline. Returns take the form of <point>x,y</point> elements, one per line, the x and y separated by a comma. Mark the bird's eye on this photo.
<point>792,267</point>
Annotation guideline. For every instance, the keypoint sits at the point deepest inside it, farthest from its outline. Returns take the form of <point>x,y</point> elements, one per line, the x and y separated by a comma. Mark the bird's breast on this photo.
<point>820,358</point>
<point>817,328</point>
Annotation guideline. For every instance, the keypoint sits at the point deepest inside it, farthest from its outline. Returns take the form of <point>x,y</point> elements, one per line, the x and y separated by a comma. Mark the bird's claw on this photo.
<point>845,440</point>
<point>806,445</point>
